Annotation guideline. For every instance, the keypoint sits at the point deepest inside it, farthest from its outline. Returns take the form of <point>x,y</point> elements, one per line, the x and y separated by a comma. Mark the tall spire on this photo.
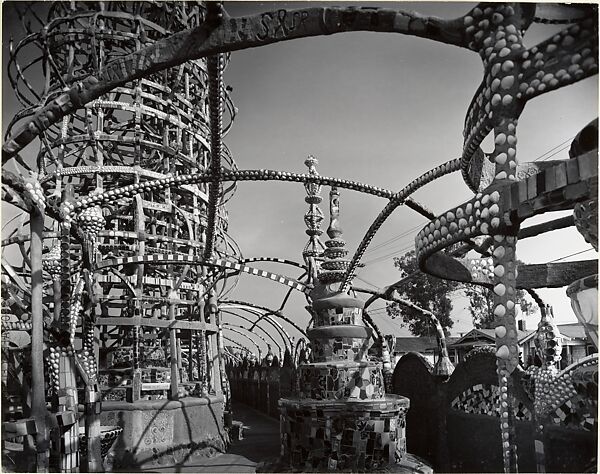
<point>335,264</point>
<point>313,218</point>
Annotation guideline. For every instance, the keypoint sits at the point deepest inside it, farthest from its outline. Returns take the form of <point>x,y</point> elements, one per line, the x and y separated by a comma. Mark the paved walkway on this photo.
<point>260,443</point>
<point>261,435</point>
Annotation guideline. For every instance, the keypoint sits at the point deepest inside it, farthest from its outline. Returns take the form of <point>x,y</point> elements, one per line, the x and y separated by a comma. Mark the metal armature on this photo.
<point>125,260</point>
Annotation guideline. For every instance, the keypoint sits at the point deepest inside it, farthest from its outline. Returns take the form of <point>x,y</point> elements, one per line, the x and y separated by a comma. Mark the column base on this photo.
<point>332,435</point>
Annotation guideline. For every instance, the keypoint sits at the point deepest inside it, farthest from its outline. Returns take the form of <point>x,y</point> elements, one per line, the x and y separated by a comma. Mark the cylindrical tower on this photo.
<point>148,313</point>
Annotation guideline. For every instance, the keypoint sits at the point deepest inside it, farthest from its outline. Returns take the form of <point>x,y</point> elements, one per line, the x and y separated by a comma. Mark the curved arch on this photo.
<point>396,199</point>
<point>236,343</point>
<point>247,337</point>
<point>215,36</point>
<point>231,325</point>
<point>281,330</point>
<point>443,367</point>
<point>369,320</point>
<point>270,311</point>
<point>130,190</point>
<point>283,261</point>
<point>191,260</point>
<point>263,330</point>
<point>17,185</point>
<point>124,279</point>
<point>395,202</point>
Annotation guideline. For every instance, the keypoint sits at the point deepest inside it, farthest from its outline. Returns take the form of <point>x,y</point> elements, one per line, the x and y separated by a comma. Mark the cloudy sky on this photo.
<point>379,108</point>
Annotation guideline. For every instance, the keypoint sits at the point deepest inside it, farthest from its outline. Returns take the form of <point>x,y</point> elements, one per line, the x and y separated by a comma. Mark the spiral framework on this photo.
<point>155,342</point>
<point>125,262</point>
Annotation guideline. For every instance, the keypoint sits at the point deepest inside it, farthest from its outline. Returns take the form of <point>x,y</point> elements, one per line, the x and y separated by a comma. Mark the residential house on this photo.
<point>424,345</point>
<point>574,340</point>
<point>476,338</point>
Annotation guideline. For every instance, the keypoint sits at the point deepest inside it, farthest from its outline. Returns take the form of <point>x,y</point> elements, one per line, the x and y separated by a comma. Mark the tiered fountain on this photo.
<point>342,418</point>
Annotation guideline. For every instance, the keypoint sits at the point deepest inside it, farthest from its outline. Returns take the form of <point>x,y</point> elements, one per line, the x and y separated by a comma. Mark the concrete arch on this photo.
<point>270,311</point>
<point>250,321</point>
<point>280,329</point>
<point>247,337</point>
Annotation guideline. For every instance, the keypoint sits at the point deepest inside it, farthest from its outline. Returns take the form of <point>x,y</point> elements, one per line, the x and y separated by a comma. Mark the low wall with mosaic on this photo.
<point>461,432</point>
<point>164,432</point>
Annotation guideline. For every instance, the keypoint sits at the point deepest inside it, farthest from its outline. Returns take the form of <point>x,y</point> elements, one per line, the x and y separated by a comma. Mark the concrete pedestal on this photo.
<point>342,435</point>
<point>164,432</point>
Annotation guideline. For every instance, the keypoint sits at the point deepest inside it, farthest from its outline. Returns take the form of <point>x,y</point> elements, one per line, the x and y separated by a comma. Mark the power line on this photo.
<point>367,282</point>
<point>554,148</point>
<point>394,239</point>
<point>557,151</point>
<point>551,152</point>
<point>543,157</point>
<point>399,252</point>
<point>409,242</point>
<point>572,255</point>
<point>394,253</point>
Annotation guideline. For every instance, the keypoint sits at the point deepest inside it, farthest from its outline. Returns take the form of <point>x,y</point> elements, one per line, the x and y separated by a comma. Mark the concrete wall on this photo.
<point>454,440</point>
<point>261,387</point>
<point>164,432</point>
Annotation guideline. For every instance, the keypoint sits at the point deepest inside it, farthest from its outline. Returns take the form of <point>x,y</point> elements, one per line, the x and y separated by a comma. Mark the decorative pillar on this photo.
<point>51,263</point>
<point>174,391</point>
<point>68,438</point>
<point>313,218</point>
<point>548,347</point>
<point>38,385</point>
<point>220,351</point>
<point>136,378</point>
<point>202,368</point>
<point>69,309</point>
<point>340,418</point>
<point>93,395</point>
<point>215,357</point>
<point>507,351</point>
<point>90,222</point>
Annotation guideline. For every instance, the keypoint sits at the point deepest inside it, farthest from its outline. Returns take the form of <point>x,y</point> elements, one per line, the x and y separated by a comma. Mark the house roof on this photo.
<point>478,337</point>
<point>418,344</point>
<point>572,330</point>
<point>475,335</point>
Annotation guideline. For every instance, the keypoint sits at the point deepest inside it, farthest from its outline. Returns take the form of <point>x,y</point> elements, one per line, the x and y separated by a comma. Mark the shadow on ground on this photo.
<point>260,444</point>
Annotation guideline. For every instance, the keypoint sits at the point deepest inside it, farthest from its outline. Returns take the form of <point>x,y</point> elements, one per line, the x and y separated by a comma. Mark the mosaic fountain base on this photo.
<point>331,435</point>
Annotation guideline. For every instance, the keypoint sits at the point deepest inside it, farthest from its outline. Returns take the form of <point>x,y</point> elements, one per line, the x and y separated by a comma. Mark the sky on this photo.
<point>382,109</point>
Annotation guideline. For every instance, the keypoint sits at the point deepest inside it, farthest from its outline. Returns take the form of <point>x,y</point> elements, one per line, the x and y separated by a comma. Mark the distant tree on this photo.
<point>423,290</point>
<point>435,294</point>
<point>481,305</point>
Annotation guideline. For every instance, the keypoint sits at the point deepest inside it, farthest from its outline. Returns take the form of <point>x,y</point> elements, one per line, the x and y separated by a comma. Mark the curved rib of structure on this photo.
<point>229,35</point>
<point>268,311</point>
<point>281,349</point>
<point>287,340</point>
<point>125,261</point>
